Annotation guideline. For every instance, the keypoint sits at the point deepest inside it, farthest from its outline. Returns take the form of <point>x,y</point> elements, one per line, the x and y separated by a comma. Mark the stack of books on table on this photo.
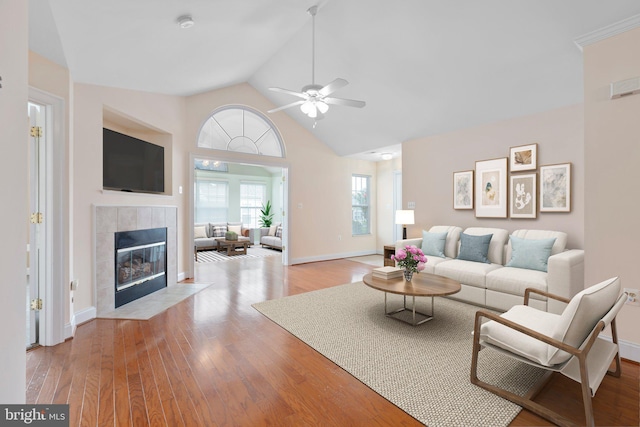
<point>387,273</point>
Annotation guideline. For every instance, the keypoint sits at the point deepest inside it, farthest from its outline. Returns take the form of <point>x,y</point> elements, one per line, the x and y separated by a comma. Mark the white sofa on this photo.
<point>271,237</point>
<point>495,285</point>
<point>214,231</point>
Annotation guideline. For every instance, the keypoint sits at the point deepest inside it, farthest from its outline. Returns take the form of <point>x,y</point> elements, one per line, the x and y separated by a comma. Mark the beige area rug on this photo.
<point>423,370</point>
<point>150,305</point>
<point>375,260</point>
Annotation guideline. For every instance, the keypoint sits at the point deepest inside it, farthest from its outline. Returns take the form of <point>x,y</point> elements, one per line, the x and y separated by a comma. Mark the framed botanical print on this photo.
<point>523,158</point>
<point>524,197</point>
<point>463,190</point>
<point>491,188</point>
<point>555,188</point>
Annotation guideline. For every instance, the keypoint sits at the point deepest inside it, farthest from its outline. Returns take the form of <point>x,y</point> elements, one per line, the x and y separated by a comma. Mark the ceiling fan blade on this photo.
<point>345,102</point>
<point>289,92</point>
<point>333,86</point>
<point>293,104</point>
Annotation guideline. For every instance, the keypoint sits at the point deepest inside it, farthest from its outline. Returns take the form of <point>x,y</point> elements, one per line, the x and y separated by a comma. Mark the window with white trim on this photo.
<point>241,129</point>
<point>252,196</point>
<point>211,200</point>
<point>360,199</point>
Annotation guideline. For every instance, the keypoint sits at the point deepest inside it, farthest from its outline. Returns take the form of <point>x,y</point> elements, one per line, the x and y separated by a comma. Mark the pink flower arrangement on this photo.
<point>411,258</point>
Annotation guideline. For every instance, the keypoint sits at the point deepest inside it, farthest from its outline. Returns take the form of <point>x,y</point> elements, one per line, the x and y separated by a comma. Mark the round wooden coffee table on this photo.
<point>422,285</point>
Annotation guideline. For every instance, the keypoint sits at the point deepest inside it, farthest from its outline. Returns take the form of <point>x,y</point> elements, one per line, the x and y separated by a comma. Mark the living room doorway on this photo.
<point>231,195</point>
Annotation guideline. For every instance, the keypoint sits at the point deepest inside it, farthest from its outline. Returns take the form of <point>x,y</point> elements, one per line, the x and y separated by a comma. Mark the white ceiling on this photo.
<point>424,67</point>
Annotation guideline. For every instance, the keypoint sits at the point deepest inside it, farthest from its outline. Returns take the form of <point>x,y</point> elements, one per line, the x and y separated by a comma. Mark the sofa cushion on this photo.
<point>235,228</point>
<point>200,232</point>
<point>453,238</point>
<point>207,227</point>
<point>271,241</point>
<point>474,248</point>
<point>272,230</point>
<point>514,281</point>
<point>497,244</point>
<point>532,254</point>
<point>504,337</point>
<point>218,230</point>
<point>432,261</point>
<point>279,231</point>
<point>209,242</point>
<point>433,243</point>
<point>466,272</point>
<point>559,246</point>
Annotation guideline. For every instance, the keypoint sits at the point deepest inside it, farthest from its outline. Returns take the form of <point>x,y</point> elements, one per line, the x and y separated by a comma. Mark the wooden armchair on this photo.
<point>567,343</point>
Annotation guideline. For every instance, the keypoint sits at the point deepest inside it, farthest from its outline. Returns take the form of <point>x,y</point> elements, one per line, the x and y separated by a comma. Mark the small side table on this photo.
<point>388,251</point>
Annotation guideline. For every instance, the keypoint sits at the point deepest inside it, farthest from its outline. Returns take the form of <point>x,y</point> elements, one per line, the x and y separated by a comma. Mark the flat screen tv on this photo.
<point>131,164</point>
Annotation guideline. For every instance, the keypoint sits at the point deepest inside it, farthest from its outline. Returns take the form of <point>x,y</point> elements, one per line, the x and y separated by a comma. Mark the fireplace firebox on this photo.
<point>140,263</point>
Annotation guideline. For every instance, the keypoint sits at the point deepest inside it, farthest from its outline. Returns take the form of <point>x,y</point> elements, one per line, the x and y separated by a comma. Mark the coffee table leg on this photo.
<point>412,310</point>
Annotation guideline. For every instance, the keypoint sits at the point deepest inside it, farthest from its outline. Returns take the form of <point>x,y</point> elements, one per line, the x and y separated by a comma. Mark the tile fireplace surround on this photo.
<point>109,220</point>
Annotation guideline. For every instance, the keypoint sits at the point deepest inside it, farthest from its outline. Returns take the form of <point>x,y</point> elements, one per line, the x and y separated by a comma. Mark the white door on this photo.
<point>36,246</point>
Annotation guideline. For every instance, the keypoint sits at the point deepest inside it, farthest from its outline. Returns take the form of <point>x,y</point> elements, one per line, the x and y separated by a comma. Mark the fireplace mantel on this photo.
<point>111,219</point>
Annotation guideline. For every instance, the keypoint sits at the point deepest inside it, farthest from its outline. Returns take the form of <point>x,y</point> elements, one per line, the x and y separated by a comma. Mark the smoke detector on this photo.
<point>185,22</point>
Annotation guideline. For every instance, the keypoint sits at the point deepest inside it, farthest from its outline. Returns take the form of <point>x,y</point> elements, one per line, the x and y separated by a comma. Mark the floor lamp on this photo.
<point>404,217</point>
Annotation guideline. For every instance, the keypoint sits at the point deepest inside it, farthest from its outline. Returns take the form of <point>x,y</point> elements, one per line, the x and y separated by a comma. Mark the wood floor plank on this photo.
<point>214,360</point>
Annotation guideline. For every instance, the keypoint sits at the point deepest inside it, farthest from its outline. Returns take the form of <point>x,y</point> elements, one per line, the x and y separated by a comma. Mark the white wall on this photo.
<point>612,153</point>
<point>13,175</point>
<point>428,165</point>
<point>163,114</point>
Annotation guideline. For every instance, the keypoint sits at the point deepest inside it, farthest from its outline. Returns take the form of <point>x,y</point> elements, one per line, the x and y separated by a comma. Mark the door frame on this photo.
<point>397,204</point>
<point>233,157</point>
<point>52,322</point>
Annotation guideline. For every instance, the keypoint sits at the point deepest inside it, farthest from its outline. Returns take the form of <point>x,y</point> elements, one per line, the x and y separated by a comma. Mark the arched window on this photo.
<point>243,130</point>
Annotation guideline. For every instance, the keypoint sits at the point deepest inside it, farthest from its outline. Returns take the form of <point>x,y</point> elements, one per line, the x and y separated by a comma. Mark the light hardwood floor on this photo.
<point>213,360</point>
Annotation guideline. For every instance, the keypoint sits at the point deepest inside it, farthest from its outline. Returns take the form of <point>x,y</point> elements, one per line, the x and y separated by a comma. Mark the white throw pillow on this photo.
<point>235,228</point>
<point>199,232</point>
<point>272,230</point>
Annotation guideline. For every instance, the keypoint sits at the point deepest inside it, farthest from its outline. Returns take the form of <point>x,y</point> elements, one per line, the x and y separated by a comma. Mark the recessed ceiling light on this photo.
<point>387,156</point>
<point>185,22</point>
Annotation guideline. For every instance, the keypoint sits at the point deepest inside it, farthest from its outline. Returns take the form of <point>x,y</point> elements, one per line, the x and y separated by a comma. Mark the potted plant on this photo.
<point>266,216</point>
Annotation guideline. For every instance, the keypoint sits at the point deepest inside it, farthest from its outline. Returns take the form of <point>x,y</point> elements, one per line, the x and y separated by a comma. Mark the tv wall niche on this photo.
<point>132,165</point>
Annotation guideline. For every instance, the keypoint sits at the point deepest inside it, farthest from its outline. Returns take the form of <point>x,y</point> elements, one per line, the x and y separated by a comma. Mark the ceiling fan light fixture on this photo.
<point>322,106</point>
<point>306,108</point>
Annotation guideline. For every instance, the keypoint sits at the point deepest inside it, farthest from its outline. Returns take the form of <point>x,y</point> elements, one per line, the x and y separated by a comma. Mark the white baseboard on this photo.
<point>182,276</point>
<point>331,257</point>
<point>78,318</point>
<point>628,350</point>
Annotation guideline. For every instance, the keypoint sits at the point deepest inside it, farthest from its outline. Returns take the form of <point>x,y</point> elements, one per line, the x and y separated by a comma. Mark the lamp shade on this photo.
<point>404,217</point>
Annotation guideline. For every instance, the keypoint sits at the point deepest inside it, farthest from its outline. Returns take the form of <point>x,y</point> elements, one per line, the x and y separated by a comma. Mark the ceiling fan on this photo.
<point>315,98</point>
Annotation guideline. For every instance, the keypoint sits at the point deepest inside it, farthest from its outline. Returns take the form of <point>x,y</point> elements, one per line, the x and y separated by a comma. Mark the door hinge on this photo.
<point>36,218</point>
<point>35,131</point>
<point>283,179</point>
<point>36,304</point>
<point>283,248</point>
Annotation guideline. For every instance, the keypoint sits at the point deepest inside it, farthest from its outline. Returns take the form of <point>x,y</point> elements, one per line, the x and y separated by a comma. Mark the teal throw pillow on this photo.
<point>433,243</point>
<point>474,248</point>
<point>529,253</point>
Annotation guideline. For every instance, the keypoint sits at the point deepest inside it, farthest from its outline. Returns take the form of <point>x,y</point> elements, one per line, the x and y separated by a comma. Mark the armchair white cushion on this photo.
<point>571,327</point>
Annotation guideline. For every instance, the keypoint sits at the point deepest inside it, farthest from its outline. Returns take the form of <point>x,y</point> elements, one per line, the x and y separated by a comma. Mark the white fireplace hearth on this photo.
<point>111,219</point>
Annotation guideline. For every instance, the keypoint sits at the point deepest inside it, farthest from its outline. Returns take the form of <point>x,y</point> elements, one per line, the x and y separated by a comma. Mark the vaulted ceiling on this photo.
<point>423,67</point>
